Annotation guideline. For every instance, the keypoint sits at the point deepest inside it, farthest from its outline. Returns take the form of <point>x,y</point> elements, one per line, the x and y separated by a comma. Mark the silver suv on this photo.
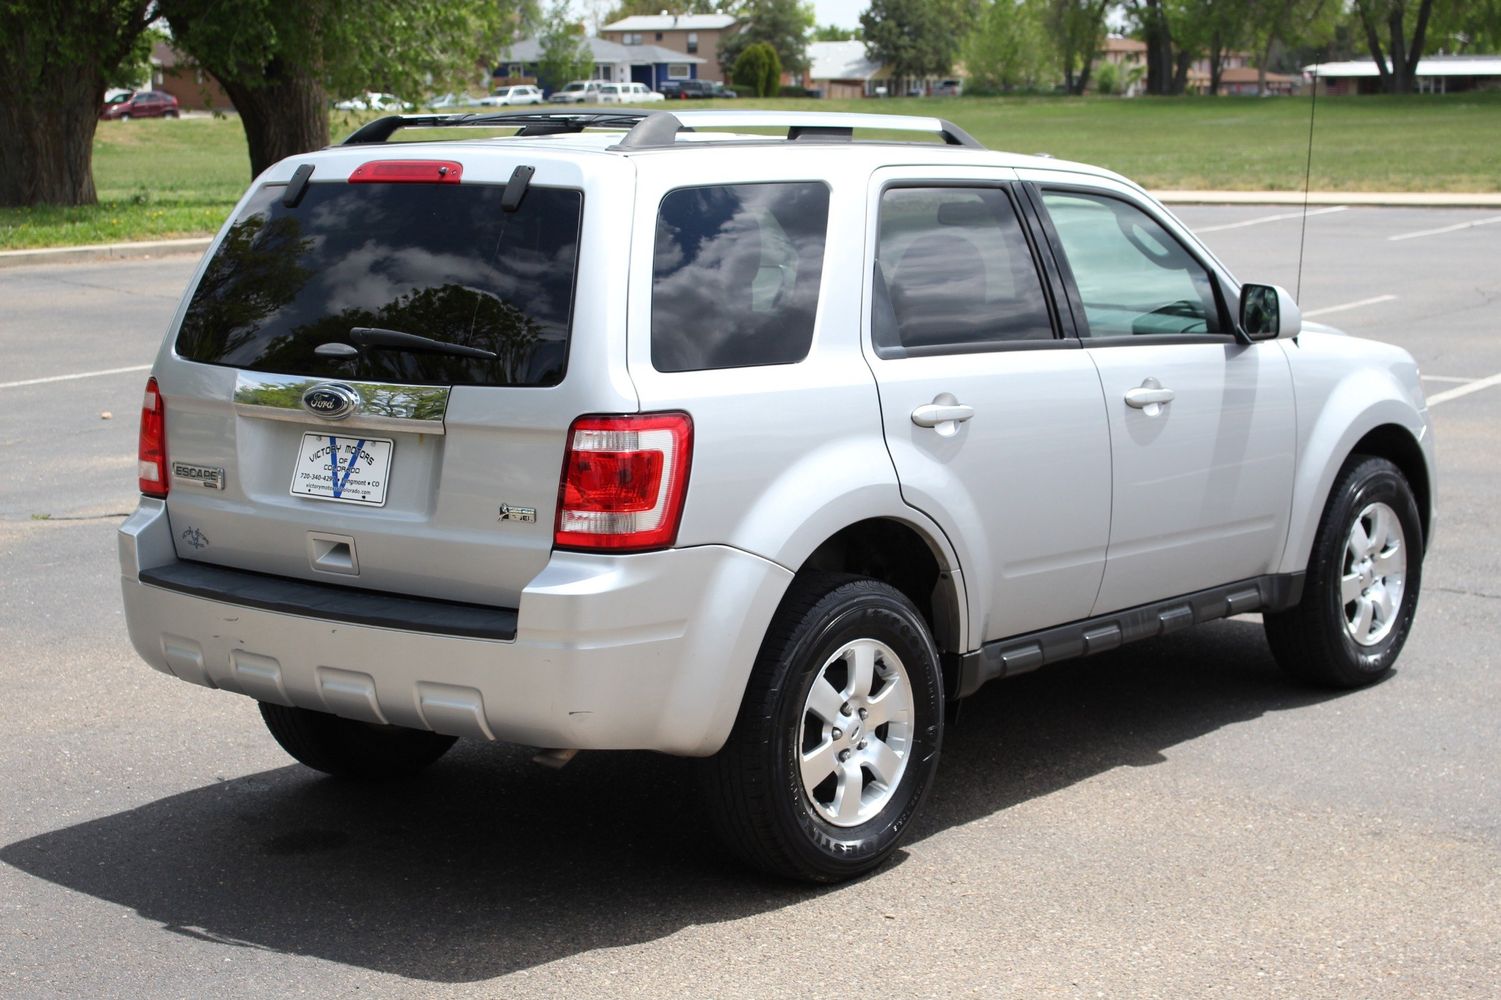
<point>630,431</point>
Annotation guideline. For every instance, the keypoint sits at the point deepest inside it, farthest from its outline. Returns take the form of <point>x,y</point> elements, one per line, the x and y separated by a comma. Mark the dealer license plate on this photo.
<point>345,468</point>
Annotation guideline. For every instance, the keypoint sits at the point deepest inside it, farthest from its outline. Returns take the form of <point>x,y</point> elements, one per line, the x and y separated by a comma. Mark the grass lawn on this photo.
<point>157,179</point>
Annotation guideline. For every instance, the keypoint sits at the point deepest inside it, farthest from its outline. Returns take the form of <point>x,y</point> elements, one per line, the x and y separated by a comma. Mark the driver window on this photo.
<point>1134,277</point>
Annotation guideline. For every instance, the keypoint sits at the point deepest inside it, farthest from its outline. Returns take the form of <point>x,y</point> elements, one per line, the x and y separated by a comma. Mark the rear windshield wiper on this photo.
<point>374,336</point>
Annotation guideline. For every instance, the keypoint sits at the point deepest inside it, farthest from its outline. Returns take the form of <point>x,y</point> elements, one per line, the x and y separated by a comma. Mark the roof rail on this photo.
<point>657,129</point>
<point>660,128</point>
<point>528,123</point>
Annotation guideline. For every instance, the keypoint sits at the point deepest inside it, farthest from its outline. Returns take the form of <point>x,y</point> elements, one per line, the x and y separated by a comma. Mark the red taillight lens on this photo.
<point>408,172</point>
<point>152,451</point>
<point>624,480</point>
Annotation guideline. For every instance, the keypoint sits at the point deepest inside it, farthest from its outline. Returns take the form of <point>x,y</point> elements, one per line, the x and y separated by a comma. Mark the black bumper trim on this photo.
<point>329,602</point>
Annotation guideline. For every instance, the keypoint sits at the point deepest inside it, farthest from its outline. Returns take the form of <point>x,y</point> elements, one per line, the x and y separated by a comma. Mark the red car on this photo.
<point>139,104</point>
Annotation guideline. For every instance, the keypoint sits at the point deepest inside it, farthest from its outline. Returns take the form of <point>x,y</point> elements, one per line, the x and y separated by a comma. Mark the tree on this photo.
<point>1472,27</point>
<point>914,39</point>
<point>782,24</point>
<point>565,54</point>
<point>758,70</point>
<point>279,62</point>
<point>1077,28</point>
<point>55,60</point>
<point>1009,48</point>
<point>1406,29</point>
<point>834,33</point>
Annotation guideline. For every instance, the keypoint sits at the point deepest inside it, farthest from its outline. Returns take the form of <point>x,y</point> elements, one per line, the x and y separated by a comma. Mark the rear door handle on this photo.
<point>1149,397</point>
<point>944,414</point>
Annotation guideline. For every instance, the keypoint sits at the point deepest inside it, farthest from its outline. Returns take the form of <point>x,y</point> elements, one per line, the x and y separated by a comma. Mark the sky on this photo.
<point>845,13</point>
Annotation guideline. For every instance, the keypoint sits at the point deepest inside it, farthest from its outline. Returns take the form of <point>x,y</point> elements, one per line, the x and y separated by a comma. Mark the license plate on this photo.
<point>345,468</point>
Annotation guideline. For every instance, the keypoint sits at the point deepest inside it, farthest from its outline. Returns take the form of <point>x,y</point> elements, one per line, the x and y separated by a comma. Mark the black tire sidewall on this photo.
<point>855,611</point>
<point>1372,481</point>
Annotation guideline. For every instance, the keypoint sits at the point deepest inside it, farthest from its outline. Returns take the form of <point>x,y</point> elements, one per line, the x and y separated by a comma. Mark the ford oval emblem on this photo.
<point>331,400</point>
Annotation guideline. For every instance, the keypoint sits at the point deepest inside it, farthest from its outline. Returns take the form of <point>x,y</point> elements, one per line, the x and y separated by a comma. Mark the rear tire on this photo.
<point>349,749</point>
<point>1361,589</point>
<point>838,735</point>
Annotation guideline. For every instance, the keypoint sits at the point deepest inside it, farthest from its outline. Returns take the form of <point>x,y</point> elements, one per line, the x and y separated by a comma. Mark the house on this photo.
<point>195,89</point>
<point>843,69</point>
<point>691,34</point>
<point>648,64</point>
<point>1238,77</point>
<point>1435,75</point>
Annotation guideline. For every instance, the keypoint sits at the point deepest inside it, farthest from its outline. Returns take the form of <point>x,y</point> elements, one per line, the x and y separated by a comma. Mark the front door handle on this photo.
<point>1149,397</point>
<point>944,414</point>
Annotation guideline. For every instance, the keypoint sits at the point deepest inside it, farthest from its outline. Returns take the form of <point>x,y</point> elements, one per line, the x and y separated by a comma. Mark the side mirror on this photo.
<point>1267,312</point>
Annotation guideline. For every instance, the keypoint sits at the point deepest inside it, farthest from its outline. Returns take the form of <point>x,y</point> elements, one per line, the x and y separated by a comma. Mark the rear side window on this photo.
<point>736,275</point>
<point>441,261</point>
<point>954,274</point>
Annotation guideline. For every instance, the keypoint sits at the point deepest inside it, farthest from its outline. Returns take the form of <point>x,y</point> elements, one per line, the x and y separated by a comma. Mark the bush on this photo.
<point>758,71</point>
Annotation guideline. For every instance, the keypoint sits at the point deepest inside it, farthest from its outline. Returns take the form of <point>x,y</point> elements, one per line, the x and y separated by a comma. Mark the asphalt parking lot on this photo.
<point>1169,820</point>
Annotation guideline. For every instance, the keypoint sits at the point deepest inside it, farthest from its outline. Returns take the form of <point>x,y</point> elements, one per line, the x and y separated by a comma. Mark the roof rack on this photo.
<point>658,129</point>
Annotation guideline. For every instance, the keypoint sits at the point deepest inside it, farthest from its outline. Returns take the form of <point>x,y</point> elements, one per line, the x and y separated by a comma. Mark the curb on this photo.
<point>104,251</point>
<point>1383,199</point>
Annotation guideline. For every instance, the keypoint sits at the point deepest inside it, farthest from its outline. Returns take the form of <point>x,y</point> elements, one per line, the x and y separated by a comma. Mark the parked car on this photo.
<point>140,104</point>
<point>580,92</point>
<point>514,95</point>
<point>753,450</point>
<point>373,101</point>
<point>455,102</point>
<point>637,93</point>
<point>686,89</point>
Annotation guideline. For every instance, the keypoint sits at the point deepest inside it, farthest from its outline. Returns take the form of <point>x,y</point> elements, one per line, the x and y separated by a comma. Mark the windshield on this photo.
<point>440,261</point>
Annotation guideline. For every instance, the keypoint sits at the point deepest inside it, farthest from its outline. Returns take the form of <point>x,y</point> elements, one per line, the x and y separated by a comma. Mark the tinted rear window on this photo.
<point>736,276</point>
<point>441,261</point>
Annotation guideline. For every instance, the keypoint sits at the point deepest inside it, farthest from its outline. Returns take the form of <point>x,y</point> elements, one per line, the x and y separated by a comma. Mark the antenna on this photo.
<point>1307,176</point>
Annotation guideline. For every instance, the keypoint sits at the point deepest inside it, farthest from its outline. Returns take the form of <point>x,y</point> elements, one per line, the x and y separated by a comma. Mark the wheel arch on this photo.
<point>914,561</point>
<point>1389,428</point>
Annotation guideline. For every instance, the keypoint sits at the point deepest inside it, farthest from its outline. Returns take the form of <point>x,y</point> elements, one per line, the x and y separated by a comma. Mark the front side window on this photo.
<point>954,274</point>
<point>1134,277</point>
<point>736,275</point>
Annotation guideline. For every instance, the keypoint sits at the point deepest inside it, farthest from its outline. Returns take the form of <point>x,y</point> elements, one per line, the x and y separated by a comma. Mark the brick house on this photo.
<point>195,89</point>
<point>690,34</point>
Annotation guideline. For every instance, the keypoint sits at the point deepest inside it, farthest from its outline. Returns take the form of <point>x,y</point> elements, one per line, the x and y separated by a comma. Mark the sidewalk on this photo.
<point>1388,199</point>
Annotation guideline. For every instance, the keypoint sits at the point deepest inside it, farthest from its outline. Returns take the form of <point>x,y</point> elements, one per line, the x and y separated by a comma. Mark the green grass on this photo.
<point>159,179</point>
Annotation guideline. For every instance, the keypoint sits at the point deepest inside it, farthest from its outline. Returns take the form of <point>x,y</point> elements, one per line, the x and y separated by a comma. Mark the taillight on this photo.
<point>152,451</point>
<point>624,479</point>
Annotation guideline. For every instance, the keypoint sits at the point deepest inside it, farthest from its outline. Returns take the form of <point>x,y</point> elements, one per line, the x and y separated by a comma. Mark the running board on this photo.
<point>1024,653</point>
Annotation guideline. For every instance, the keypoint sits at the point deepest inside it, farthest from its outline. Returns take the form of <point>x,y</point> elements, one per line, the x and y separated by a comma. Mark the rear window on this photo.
<point>736,275</point>
<point>441,261</point>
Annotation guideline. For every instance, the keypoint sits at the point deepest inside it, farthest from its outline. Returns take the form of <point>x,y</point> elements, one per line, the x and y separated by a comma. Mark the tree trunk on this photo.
<point>1180,72</point>
<point>48,159</point>
<point>1159,42</point>
<point>1216,63</point>
<point>283,113</point>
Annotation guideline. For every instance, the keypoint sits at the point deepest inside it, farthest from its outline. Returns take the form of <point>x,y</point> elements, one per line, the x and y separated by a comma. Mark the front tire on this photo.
<point>345,748</point>
<point>1361,589</point>
<point>838,736</point>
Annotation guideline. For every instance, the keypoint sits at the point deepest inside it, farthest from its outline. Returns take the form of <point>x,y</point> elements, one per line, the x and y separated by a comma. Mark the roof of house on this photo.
<point>530,50</point>
<point>671,22</point>
<point>1116,43</point>
<point>1431,66</point>
<point>841,61</point>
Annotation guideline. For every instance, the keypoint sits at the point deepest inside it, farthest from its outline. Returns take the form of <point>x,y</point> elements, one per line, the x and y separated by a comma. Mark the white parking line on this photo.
<point>1446,229</point>
<point>1464,390</point>
<point>1268,218</point>
<point>1348,305</point>
<point>1446,378</point>
<point>75,375</point>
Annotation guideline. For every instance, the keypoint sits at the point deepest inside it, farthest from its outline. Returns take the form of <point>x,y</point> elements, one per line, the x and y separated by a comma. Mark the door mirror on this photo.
<point>1267,312</point>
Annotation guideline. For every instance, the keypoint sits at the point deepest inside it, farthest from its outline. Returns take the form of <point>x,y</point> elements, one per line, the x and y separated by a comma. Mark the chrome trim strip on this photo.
<point>383,406</point>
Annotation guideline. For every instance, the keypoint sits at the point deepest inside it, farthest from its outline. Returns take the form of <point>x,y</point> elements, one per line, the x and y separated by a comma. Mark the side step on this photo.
<point>1024,653</point>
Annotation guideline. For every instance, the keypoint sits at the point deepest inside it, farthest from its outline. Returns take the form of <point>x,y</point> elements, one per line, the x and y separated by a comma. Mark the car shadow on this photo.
<point>490,864</point>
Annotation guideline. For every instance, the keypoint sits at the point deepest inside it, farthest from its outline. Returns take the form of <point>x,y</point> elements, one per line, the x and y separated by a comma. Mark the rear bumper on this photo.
<point>648,651</point>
